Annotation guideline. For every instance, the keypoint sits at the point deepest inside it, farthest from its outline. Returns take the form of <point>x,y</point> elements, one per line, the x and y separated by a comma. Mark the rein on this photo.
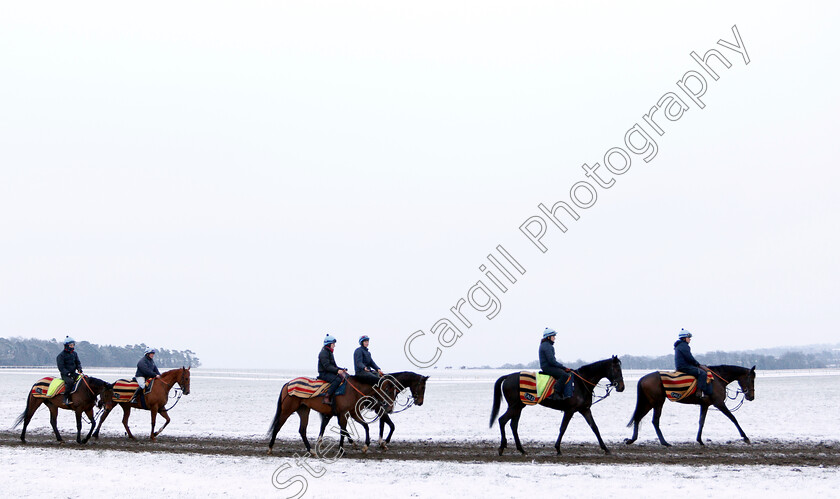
<point>735,393</point>
<point>598,398</point>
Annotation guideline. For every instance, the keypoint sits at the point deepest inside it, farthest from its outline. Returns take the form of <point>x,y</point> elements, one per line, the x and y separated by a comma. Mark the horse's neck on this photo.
<point>169,379</point>
<point>728,373</point>
<point>594,372</point>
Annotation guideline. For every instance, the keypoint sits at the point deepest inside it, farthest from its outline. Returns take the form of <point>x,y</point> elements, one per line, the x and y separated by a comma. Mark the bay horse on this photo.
<point>586,378</point>
<point>155,400</point>
<point>650,394</point>
<point>83,401</point>
<point>416,383</point>
<point>356,398</point>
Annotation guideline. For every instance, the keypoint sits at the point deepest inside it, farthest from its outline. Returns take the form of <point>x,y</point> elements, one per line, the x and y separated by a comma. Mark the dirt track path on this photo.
<point>737,453</point>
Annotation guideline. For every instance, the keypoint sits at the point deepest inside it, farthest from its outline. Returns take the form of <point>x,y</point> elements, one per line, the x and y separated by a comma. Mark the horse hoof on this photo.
<point>523,452</point>
<point>269,452</point>
<point>628,441</point>
<point>607,452</point>
<point>314,454</point>
<point>364,449</point>
<point>355,446</point>
<point>501,450</point>
<point>383,446</point>
<point>747,440</point>
<point>666,444</point>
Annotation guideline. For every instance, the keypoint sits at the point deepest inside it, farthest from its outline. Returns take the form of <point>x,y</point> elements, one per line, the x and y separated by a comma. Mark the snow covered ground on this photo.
<point>192,475</point>
<point>457,408</point>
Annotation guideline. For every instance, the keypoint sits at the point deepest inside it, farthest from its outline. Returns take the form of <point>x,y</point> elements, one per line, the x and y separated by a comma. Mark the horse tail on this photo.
<point>22,416</point>
<point>637,412</point>
<point>283,394</point>
<point>497,399</point>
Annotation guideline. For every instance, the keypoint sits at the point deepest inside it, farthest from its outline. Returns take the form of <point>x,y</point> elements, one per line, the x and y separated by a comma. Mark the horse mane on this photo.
<point>594,367</point>
<point>408,375</point>
<point>729,372</point>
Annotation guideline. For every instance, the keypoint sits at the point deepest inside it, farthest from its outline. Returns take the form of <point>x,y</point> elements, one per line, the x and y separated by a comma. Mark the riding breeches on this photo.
<point>699,374</point>
<point>333,379</point>
<point>560,375</point>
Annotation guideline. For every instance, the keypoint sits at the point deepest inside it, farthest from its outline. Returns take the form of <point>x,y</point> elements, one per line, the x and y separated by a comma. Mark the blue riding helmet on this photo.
<point>684,333</point>
<point>69,340</point>
<point>364,338</point>
<point>548,332</point>
<point>329,339</point>
<point>150,350</point>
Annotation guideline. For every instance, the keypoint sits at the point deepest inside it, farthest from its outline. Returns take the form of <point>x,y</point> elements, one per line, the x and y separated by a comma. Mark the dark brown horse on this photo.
<point>414,382</point>
<point>83,401</point>
<point>155,400</point>
<point>586,378</point>
<point>651,395</point>
<point>357,397</point>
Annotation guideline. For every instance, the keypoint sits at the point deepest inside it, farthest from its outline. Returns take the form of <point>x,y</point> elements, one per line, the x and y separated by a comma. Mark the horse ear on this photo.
<point>753,369</point>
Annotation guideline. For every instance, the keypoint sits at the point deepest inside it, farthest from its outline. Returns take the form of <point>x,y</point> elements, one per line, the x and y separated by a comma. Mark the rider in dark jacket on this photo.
<point>328,370</point>
<point>68,363</point>
<point>146,369</point>
<point>549,364</point>
<point>366,369</point>
<point>686,363</point>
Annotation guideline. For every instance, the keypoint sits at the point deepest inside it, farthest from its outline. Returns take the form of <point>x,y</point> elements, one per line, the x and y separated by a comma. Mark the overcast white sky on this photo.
<point>240,178</point>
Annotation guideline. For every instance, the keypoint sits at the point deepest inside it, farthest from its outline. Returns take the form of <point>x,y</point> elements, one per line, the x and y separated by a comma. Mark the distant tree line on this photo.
<point>786,360</point>
<point>34,352</point>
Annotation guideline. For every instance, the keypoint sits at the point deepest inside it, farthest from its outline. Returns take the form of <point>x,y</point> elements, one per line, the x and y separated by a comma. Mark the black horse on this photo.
<point>83,399</point>
<point>651,395</point>
<point>587,377</point>
<point>416,383</point>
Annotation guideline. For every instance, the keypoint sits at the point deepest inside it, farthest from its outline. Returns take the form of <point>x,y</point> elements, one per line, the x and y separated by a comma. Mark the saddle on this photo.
<point>679,385</point>
<point>307,388</point>
<point>124,389</point>
<point>536,387</point>
<point>51,386</point>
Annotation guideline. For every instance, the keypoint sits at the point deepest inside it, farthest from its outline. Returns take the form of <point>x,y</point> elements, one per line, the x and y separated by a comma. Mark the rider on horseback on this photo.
<point>146,369</point>
<point>68,363</point>
<point>328,370</point>
<point>366,369</point>
<point>549,364</point>
<point>686,363</point>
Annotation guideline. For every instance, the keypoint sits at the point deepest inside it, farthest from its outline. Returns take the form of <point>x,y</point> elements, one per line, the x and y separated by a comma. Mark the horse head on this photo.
<point>747,383</point>
<point>418,389</point>
<point>615,375</point>
<point>184,380</point>
<point>106,398</point>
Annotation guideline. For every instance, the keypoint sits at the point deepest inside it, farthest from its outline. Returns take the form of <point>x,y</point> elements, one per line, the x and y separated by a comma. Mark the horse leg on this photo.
<point>101,420</point>
<point>657,412</point>
<point>503,420</point>
<point>587,415</point>
<point>643,406</point>
<point>126,413</point>
<point>514,428</point>
<point>722,407</point>
<point>567,416</point>
<point>32,405</point>
<point>153,412</point>
<point>325,420</point>
<point>703,410</point>
<point>78,427</point>
<point>382,422</point>
<point>89,414</point>
<point>166,418</point>
<point>54,421</point>
<point>367,436</point>
<point>280,417</point>
<point>303,414</point>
